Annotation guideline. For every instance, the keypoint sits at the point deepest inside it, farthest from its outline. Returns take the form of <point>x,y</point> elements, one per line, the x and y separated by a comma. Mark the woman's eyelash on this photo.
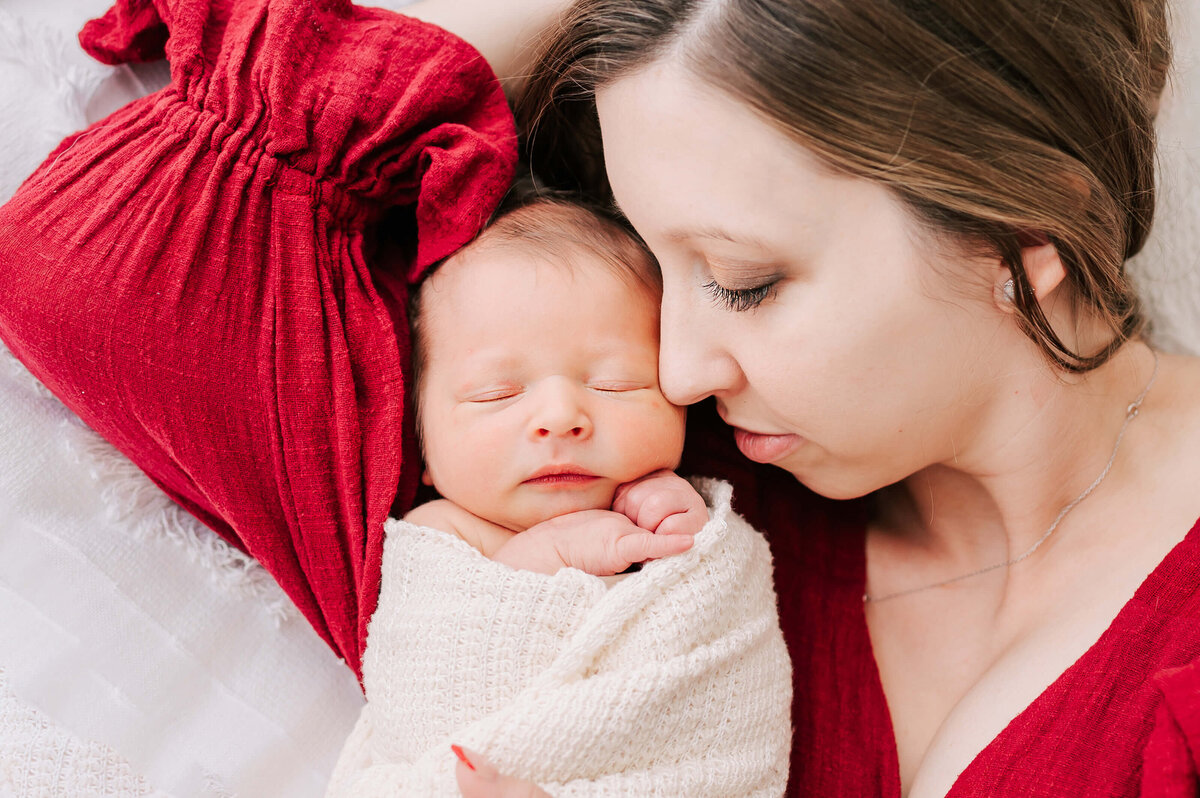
<point>613,387</point>
<point>740,299</point>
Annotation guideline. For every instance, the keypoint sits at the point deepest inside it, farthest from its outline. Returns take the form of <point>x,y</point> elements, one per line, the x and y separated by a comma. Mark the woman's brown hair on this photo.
<point>1001,122</point>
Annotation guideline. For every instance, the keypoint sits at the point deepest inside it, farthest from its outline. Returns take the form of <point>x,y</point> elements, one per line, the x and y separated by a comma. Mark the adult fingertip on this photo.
<point>474,763</point>
<point>462,756</point>
<point>475,776</point>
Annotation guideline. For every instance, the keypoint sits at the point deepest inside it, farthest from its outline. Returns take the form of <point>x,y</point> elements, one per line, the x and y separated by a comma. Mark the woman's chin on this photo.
<point>832,483</point>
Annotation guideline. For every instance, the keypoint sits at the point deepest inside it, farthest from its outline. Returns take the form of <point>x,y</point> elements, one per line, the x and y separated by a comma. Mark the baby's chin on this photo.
<point>559,506</point>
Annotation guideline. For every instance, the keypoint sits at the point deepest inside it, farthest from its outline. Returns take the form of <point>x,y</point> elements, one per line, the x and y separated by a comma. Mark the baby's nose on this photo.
<point>564,430</point>
<point>561,414</point>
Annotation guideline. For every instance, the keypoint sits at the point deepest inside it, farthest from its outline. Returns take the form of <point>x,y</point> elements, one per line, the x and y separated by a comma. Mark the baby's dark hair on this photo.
<point>556,227</point>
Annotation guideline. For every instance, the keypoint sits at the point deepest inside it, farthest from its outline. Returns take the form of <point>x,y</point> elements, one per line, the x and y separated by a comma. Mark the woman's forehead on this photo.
<point>704,166</point>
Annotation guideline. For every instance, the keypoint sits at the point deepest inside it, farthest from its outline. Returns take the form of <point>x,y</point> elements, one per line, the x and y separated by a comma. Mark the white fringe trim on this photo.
<point>134,503</point>
<point>54,66</point>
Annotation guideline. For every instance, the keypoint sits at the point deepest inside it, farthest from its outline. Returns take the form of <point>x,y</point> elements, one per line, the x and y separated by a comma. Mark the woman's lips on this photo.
<point>765,448</point>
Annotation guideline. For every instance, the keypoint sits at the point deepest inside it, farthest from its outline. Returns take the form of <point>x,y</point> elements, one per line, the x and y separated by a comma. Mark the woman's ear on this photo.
<point>1044,273</point>
<point>1043,268</point>
<point>426,479</point>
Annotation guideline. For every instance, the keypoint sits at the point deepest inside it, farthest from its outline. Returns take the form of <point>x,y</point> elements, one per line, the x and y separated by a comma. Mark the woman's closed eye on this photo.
<point>740,299</point>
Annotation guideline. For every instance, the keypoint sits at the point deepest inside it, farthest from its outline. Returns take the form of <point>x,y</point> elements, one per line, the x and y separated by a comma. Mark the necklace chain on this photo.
<point>1130,414</point>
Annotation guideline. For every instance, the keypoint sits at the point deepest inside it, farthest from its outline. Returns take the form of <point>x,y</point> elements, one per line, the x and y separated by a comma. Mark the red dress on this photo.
<point>1124,720</point>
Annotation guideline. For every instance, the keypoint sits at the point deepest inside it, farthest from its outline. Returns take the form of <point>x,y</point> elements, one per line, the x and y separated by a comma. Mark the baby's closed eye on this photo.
<point>493,394</point>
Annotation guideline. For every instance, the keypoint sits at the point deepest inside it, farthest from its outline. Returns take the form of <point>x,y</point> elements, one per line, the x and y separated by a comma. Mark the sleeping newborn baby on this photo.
<point>537,385</point>
<point>509,621</point>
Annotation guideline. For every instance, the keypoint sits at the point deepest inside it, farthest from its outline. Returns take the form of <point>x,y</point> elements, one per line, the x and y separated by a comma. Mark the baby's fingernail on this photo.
<point>458,752</point>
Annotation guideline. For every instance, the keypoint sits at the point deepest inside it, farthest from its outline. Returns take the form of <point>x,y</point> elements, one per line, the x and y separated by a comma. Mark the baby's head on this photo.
<point>536,349</point>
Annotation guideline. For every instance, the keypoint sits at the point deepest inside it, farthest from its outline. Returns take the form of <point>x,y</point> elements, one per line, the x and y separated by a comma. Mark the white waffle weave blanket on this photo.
<point>673,682</point>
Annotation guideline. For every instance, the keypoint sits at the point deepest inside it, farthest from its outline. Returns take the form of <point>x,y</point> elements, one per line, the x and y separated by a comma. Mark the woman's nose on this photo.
<point>693,364</point>
<point>560,412</point>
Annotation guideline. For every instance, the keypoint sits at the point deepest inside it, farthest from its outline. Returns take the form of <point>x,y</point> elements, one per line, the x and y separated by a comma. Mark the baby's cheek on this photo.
<point>655,437</point>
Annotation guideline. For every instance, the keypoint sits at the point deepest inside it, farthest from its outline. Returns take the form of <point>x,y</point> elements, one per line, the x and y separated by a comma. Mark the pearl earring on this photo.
<point>1010,291</point>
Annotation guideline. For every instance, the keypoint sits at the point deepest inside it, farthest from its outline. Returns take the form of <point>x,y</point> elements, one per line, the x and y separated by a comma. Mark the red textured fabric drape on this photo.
<point>199,275</point>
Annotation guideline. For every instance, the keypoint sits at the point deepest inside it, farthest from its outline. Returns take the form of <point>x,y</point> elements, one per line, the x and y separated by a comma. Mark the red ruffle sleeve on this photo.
<point>1171,763</point>
<point>198,276</point>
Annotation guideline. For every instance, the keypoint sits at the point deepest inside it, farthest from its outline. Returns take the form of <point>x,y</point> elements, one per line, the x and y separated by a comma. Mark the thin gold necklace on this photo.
<point>1130,414</point>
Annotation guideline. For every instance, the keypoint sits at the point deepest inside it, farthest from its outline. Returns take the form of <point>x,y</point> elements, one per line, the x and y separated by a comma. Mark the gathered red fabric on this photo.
<point>201,276</point>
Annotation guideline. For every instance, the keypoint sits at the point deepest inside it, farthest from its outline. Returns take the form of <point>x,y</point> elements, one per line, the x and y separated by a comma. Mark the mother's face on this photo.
<point>834,339</point>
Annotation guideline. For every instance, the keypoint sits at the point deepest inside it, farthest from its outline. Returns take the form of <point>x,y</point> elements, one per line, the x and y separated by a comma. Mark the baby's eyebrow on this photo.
<point>490,359</point>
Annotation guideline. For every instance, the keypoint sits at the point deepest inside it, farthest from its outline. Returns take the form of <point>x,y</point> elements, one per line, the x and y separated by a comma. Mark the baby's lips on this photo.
<point>561,473</point>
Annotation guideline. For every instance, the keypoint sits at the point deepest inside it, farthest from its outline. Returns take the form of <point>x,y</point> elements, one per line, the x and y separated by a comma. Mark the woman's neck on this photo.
<point>1041,445</point>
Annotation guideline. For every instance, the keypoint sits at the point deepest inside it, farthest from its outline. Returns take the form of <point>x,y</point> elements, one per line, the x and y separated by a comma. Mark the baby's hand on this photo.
<point>662,502</point>
<point>599,542</point>
<point>652,517</point>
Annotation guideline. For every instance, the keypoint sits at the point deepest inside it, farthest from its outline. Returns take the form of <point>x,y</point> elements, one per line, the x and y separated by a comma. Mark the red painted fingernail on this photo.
<point>458,752</point>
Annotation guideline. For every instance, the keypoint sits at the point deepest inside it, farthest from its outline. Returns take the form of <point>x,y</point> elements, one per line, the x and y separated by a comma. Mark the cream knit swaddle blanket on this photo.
<point>675,681</point>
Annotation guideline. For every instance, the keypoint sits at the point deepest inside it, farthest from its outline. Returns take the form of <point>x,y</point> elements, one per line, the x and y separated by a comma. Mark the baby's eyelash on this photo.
<point>740,299</point>
<point>498,395</point>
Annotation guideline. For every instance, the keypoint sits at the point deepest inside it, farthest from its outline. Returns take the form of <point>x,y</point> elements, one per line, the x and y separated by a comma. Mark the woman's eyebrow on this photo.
<point>712,232</point>
<point>717,234</point>
<point>703,232</point>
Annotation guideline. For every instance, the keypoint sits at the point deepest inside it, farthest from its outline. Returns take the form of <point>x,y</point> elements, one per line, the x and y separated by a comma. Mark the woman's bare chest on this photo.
<point>951,696</point>
<point>956,673</point>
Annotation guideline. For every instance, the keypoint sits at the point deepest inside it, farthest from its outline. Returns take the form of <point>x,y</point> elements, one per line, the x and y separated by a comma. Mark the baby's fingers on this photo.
<point>687,523</point>
<point>642,546</point>
<point>653,500</point>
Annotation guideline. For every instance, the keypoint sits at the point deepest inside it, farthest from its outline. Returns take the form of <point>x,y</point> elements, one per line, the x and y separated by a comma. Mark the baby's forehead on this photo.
<point>467,275</point>
<point>507,302</point>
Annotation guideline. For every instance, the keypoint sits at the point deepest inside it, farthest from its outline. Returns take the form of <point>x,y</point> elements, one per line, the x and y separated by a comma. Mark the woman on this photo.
<point>892,239</point>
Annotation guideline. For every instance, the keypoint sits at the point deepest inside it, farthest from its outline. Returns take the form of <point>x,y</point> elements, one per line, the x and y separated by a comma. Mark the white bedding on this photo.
<point>133,640</point>
<point>125,627</point>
